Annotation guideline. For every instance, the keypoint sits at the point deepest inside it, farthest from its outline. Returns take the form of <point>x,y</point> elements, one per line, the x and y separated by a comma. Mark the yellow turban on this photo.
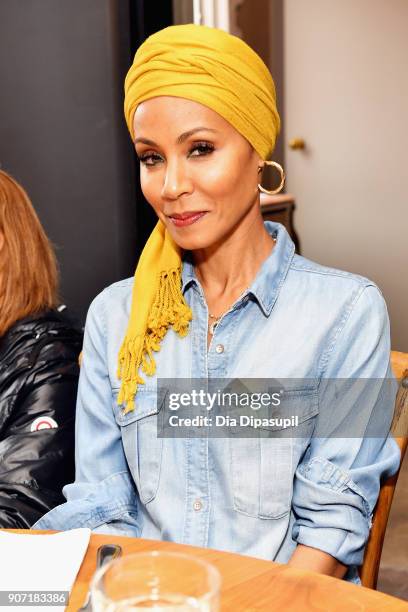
<point>212,67</point>
<point>221,72</point>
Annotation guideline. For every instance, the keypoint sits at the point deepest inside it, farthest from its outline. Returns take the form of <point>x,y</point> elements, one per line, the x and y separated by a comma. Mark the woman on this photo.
<point>200,107</point>
<point>39,348</point>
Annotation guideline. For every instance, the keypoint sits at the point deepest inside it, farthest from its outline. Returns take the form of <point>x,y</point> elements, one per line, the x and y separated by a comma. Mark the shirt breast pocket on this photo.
<point>142,447</point>
<point>264,463</point>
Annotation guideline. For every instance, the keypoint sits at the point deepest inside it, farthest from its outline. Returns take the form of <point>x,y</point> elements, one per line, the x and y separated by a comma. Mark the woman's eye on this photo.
<point>203,148</point>
<point>150,159</point>
<point>198,150</point>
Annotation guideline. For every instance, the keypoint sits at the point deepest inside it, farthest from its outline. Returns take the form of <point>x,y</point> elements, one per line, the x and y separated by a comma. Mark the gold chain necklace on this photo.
<point>213,325</point>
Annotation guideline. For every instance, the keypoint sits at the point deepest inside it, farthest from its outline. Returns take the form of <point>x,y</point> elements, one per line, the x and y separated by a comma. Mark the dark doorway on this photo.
<point>63,135</point>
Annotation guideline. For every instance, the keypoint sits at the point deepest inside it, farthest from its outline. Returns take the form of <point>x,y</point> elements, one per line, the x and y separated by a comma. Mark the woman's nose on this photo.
<point>176,182</point>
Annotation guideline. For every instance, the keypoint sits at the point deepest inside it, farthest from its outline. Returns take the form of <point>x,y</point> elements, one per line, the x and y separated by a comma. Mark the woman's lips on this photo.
<point>187,219</point>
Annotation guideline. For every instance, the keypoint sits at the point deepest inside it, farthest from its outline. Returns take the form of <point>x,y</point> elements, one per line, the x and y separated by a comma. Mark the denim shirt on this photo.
<point>258,497</point>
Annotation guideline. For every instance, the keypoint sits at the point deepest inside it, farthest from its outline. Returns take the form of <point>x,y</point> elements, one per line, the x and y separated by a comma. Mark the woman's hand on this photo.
<point>306,557</point>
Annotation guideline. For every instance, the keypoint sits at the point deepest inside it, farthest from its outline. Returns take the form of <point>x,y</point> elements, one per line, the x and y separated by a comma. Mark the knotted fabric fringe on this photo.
<point>157,304</point>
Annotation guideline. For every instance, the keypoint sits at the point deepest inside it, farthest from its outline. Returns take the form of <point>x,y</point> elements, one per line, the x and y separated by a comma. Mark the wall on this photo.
<point>183,11</point>
<point>261,24</point>
<point>62,133</point>
<point>342,84</point>
<point>346,94</point>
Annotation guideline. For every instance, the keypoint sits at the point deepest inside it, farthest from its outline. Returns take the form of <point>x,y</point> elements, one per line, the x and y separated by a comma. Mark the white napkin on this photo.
<point>48,562</point>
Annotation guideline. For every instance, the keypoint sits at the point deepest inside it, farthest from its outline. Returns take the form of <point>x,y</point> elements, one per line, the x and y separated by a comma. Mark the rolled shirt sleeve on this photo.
<point>103,496</point>
<point>337,483</point>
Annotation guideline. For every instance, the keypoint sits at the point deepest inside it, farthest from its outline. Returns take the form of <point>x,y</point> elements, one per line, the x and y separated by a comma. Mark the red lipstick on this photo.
<point>187,218</point>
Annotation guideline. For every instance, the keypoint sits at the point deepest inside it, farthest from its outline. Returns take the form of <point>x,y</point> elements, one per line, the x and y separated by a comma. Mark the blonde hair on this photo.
<point>28,266</point>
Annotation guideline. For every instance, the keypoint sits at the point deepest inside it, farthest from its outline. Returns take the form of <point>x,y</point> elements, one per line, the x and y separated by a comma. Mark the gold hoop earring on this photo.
<point>274,191</point>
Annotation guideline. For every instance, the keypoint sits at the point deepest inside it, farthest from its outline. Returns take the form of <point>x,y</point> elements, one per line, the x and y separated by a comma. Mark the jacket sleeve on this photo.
<point>37,446</point>
<point>103,496</point>
<point>337,483</point>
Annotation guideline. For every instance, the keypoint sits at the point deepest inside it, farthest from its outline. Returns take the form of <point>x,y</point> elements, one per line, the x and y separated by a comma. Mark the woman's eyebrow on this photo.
<point>180,138</point>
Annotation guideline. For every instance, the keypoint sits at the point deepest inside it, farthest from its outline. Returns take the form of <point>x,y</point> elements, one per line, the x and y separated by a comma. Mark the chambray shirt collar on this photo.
<point>267,283</point>
<point>188,276</point>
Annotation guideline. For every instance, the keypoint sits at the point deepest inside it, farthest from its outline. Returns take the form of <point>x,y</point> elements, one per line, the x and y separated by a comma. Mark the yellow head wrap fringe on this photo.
<point>159,303</point>
<point>221,72</point>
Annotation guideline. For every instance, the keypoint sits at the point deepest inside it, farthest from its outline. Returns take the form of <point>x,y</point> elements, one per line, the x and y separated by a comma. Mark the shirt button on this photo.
<point>197,505</point>
<point>219,348</point>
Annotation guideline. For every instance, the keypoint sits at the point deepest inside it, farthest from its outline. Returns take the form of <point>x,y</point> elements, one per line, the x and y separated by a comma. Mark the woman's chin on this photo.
<point>190,239</point>
<point>192,244</point>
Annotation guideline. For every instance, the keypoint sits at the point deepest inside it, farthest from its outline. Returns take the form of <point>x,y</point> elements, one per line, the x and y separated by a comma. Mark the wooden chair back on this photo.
<point>372,555</point>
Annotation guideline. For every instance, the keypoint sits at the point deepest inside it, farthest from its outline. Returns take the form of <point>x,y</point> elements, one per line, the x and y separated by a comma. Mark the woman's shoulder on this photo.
<point>46,326</point>
<point>116,290</point>
<point>120,285</point>
<point>114,294</point>
<point>106,323</point>
<point>38,347</point>
<point>327,289</point>
<point>303,265</point>
<point>327,277</point>
<point>109,310</point>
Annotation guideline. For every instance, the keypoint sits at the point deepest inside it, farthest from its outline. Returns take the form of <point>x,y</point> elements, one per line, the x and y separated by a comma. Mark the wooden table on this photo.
<point>250,584</point>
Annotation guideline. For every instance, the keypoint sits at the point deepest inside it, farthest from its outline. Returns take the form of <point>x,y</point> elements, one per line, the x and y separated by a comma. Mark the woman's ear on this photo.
<point>1,240</point>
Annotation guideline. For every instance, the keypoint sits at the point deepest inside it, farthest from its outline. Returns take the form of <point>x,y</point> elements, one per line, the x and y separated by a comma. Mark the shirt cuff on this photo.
<point>109,506</point>
<point>332,513</point>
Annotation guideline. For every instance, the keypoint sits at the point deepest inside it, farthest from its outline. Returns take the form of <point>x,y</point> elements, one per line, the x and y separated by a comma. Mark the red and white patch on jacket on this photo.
<point>43,422</point>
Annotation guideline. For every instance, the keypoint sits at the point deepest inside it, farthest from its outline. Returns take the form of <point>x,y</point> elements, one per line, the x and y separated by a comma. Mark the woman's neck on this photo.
<point>225,270</point>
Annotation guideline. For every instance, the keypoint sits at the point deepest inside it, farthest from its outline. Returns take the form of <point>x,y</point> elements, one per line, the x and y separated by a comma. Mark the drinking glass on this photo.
<point>160,581</point>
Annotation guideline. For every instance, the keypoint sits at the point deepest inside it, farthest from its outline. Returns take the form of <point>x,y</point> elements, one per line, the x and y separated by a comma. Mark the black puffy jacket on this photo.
<point>38,385</point>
